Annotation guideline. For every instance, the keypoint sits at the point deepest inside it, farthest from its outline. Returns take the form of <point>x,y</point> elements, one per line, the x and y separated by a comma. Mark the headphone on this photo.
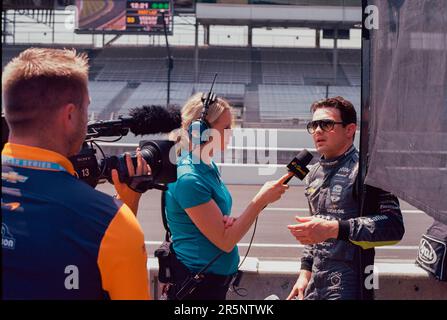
<point>197,131</point>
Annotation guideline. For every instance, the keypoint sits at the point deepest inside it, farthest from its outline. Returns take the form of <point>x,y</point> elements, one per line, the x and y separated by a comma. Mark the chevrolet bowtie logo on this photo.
<point>13,177</point>
<point>11,205</point>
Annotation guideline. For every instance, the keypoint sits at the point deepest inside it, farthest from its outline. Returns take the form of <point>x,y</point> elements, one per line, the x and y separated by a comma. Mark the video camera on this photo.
<point>145,120</point>
<point>141,121</point>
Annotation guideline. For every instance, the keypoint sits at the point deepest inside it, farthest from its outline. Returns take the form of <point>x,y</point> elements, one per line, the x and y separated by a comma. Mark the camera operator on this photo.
<point>61,239</point>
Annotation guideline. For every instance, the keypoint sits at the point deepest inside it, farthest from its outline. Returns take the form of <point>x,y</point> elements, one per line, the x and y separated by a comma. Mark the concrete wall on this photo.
<point>232,173</point>
<point>264,278</point>
<point>252,137</point>
<point>254,157</point>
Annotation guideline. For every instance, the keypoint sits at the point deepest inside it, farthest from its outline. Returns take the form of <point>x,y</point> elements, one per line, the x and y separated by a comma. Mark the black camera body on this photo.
<point>141,121</point>
<point>155,152</point>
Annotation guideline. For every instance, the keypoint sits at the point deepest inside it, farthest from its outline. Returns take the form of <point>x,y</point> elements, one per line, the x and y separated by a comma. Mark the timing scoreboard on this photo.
<point>124,16</point>
<point>148,15</point>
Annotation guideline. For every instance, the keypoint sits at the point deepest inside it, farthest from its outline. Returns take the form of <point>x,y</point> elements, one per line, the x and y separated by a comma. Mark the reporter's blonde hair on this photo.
<point>191,111</point>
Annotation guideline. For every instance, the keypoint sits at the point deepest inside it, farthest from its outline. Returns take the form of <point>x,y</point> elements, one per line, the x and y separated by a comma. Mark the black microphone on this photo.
<point>145,120</point>
<point>298,165</point>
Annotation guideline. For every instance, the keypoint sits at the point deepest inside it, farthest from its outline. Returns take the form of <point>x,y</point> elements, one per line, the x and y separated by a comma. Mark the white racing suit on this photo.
<point>339,266</point>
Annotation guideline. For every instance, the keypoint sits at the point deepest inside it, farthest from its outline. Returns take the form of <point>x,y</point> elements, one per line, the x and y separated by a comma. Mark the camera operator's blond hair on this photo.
<point>55,76</point>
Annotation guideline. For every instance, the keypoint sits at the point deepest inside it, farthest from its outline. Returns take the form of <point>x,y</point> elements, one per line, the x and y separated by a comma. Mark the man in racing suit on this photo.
<point>339,251</point>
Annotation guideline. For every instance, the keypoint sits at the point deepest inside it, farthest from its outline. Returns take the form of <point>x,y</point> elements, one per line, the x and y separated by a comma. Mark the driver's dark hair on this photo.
<point>347,111</point>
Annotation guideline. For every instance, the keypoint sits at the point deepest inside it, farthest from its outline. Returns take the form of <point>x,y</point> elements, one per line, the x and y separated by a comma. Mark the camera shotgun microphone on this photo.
<point>145,120</point>
<point>154,119</point>
<point>298,165</point>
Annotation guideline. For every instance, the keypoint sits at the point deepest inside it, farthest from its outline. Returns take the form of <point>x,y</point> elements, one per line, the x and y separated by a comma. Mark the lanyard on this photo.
<point>33,164</point>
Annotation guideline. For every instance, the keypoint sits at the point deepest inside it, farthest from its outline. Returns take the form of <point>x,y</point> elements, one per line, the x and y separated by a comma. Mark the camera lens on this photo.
<point>152,155</point>
<point>155,152</point>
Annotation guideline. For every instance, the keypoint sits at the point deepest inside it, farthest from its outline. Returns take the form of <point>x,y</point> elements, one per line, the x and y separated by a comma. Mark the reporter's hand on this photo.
<point>124,192</point>
<point>300,286</point>
<point>272,191</point>
<point>228,221</point>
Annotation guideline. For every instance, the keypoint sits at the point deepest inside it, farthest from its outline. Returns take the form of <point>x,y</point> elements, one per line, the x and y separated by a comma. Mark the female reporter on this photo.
<point>197,203</point>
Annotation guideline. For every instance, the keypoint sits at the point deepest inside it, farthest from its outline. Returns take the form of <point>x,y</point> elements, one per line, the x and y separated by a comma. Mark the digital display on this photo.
<point>147,15</point>
<point>124,16</point>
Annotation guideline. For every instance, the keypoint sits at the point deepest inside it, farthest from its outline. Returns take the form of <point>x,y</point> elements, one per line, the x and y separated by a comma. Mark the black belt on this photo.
<point>181,271</point>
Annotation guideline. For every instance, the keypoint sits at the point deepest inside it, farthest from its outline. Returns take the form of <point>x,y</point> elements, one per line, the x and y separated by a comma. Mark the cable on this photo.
<point>93,142</point>
<point>100,140</point>
<point>242,292</point>
<point>249,246</point>
<point>103,155</point>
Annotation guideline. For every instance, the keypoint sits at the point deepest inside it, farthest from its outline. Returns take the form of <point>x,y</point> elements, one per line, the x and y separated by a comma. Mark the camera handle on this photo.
<point>143,183</point>
<point>160,187</point>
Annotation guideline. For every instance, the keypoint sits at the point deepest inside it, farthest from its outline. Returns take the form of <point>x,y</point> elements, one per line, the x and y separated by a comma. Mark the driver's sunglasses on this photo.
<point>324,124</point>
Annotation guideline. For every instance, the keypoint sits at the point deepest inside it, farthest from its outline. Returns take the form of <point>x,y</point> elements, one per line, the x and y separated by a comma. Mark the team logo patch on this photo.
<point>426,252</point>
<point>13,177</point>
<point>13,206</point>
<point>336,193</point>
<point>335,279</point>
<point>8,241</point>
<point>354,171</point>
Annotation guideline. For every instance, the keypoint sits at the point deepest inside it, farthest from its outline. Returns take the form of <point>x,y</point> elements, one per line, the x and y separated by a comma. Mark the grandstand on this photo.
<point>290,79</point>
<point>102,93</point>
<point>271,86</point>
<point>284,66</point>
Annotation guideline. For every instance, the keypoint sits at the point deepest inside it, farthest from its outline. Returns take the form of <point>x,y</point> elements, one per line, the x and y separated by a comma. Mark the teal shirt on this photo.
<point>197,183</point>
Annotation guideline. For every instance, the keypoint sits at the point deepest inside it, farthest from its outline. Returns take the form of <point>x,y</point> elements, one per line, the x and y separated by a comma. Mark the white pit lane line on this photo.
<point>307,210</point>
<point>297,246</point>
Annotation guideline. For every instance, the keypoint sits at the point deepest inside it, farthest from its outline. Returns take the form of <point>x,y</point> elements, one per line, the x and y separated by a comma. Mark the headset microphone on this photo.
<point>198,129</point>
